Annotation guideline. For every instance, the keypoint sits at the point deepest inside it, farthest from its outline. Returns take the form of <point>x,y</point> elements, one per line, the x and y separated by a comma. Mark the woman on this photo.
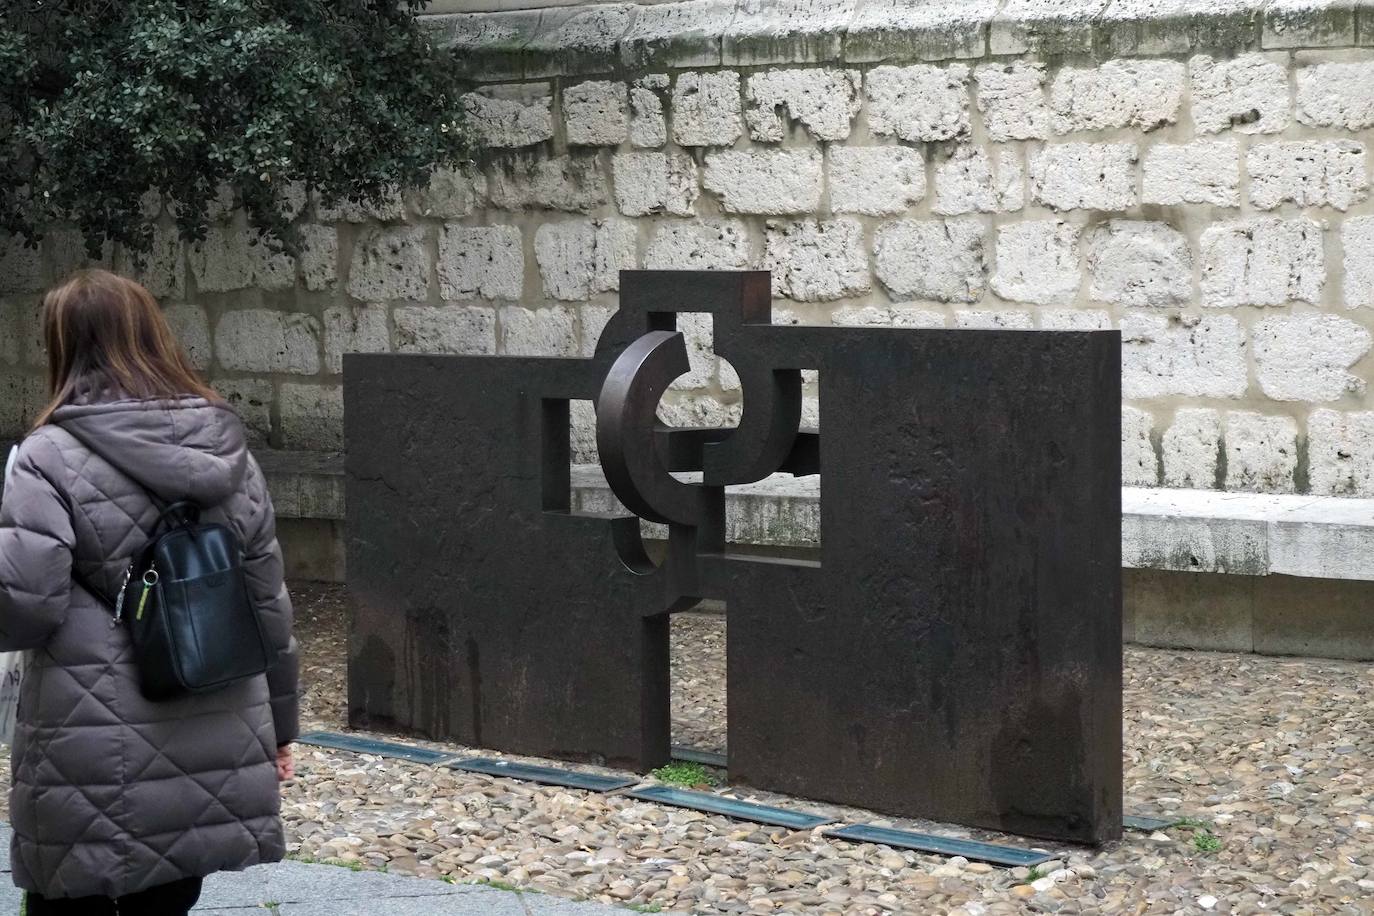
<point>120,804</point>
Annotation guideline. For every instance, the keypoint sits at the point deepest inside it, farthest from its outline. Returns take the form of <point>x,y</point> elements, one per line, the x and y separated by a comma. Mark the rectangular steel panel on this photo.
<point>991,853</point>
<point>552,776</point>
<point>730,807</point>
<point>360,745</point>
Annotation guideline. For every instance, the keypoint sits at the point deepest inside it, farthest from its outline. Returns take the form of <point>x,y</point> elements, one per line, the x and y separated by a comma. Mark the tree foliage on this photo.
<point>105,101</point>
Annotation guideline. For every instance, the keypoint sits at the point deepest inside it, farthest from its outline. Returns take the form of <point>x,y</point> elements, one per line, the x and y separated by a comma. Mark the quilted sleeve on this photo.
<point>36,541</point>
<point>266,580</point>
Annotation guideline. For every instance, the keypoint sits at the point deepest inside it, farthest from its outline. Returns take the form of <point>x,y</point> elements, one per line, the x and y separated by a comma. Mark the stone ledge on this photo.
<point>1201,531</point>
<point>614,37</point>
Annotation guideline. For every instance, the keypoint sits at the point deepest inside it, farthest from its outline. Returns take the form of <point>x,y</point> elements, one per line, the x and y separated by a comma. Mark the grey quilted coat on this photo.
<point>113,794</point>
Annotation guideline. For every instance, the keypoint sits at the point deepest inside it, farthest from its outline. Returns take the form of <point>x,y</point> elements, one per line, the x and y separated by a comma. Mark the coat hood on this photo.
<point>187,448</point>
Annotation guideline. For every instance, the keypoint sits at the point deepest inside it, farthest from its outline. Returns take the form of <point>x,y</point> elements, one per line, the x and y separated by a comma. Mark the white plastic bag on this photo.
<point>12,664</point>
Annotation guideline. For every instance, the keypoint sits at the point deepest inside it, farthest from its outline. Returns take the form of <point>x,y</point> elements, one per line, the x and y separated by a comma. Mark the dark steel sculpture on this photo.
<point>954,654</point>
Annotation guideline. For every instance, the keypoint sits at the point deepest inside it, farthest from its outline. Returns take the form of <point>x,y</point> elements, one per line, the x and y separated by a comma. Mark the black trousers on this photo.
<point>175,899</point>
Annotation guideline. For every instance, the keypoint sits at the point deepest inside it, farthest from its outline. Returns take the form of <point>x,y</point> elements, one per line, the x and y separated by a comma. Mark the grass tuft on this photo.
<point>685,774</point>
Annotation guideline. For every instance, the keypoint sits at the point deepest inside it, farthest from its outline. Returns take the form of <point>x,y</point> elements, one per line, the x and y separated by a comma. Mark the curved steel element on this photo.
<point>626,416</point>
<point>767,428</point>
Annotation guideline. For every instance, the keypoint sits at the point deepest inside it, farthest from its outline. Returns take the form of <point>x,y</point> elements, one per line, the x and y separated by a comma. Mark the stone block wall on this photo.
<point>1195,174</point>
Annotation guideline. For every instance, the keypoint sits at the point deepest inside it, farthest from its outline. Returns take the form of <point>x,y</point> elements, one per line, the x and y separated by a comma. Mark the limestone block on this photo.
<point>1140,94</point>
<point>1261,452</point>
<point>353,329</point>
<point>939,260</point>
<point>1340,453</point>
<point>311,417</point>
<point>388,264</point>
<point>1309,23</point>
<point>481,261</point>
<point>648,127</point>
<point>1188,356</point>
<point>1139,463</point>
<point>1087,176</point>
<point>931,30</point>
<point>20,266</point>
<point>1248,94</point>
<point>685,34</point>
<point>707,109</point>
<point>1201,172</point>
<point>488,46</point>
<point>1047,26</point>
<point>259,340</point>
<point>450,194</point>
<point>919,102</point>
<point>698,412</point>
<point>65,252</point>
<point>252,400</point>
<point>823,101</point>
<point>1142,27</point>
<point>1011,98</point>
<point>319,256</point>
<point>458,329</point>
<point>1037,261</point>
<point>1305,357</point>
<point>1075,320</point>
<point>1357,239</point>
<point>1267,261</point>
<point>988,320</point>
<point>786,31</point>
<point>582,258</point>
<point>390,208</point>
<point>162,270</point>
<point>578,39</point>
<point>1138,263</point>
<point>897,316</point>
<point>511,116</point>
<point>1337,95</point>
<point>231,259</point>
<point>14,319</point>
<point>706,244</point>
<point>593,320</point>
<point>817,261</point>
<point>572,184</point>
<point>772,182</point>
<point>875,180</point>
<point>596,113</point>
<point>1328,173</point>
<point>969,180</point>
<point>192,329</point>
<point>1192,448</point>
<point>698,334</point>
<point>650,183</point>
<point>538,332</point>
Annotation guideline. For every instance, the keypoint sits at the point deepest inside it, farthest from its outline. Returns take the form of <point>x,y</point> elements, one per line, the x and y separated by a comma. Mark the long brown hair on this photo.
<point>102,329</point>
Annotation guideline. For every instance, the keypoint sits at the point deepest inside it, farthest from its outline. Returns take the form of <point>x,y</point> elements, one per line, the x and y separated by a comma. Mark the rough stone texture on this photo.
<point>939,260</point>
<point>920,102</point>
<point>770,183</point>
<point>1310,174</point>
<point>1011,98</point>
<point>989,320</point>
<point>897,316</point>
<point>1306,357</point>
<point>319,257</point>
<point>970,180</point>
<point>579,39</point>
<point>389,209</point>
<point>511,116</point>
<point>707,109</point>
<point>875,180</point>
<point>1266,261</point>
<point>353,329</point>
<point>389,264</point>
<point>1192,448</point>
<point>483,261</point>
<point>252,399</point>
<point>450,194</point>
<point>1088,176</point>
<point>1340,453</point>
<point>596,113</point>
<point>1187,356</point>
<point>708,244</point>
<point>582,258</point>
<point>1139,462</point>
<point>932,30</point>
<point>231,259</point>
<point>651,183</point>
<point>571,184</point>
<point>683,34</point>
<point>1261,452</point>
<point>1201,172</point>
<point>163,271</point>
<point>1075,320</point>
<point>192,328</point>
<point>786,31</point>
<point>816,261</point>
<point>1248,94</point>
<point>823,101</point>
<point>538,332</point>
<point>648,127</point>
<point>1336,95</point>
<point>1357,241</point>
<point>311,416</point>
<point>1309,23</point>
<point>467,330</point>
<point>259,340</point>
<point>1136,263</point>
<point>1037,262</point>
<point>1142,94</point>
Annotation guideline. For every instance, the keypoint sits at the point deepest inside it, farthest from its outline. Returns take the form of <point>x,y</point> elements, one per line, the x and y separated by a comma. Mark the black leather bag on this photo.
<point>185,601</point>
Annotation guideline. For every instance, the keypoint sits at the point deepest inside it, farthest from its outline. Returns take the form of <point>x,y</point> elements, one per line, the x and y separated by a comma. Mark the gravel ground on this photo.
<point>1272,755</point>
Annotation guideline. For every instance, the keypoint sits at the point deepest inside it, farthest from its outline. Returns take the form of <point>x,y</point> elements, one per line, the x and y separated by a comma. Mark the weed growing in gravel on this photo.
<point>1194,823</point>
<point>1204,841</point>
<point>685,774</point>
<point>646,907</point>
<point>1035,874</point>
